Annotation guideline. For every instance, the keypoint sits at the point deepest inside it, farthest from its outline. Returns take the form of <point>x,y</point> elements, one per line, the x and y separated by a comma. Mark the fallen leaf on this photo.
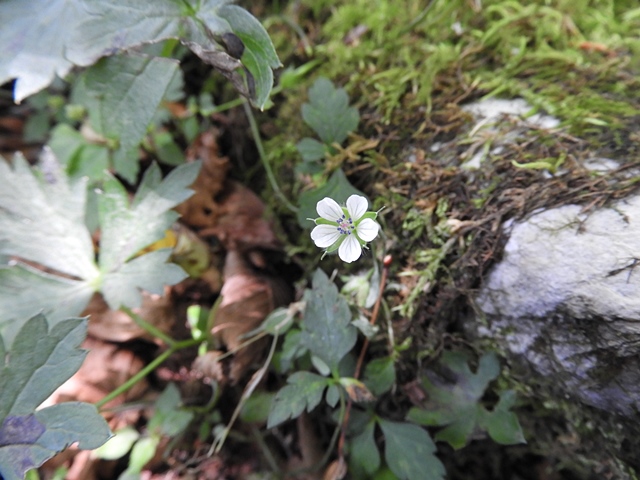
<point>117,326</point>
<point>201,210</point>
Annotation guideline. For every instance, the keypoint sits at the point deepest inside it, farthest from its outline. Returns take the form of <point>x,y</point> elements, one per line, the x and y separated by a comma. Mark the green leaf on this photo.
<point>200,25</point>
<point>455,402</point>
<point>79,157</point>
<point>42,220</point>
<point>118,445</point>
<point>36,48</point>
<point>279,321</point>
<point>364,454</point>
<point>128,229</point>
<point>259,55</point>
<point>122,94</point>
<point>327,329</point>
<point>302,392</point>
<point>34,42</point>
<point>503,425</point>
<point>257,407</point>
<point>169,418</point>
<point>38,362</point>
<point>149,272</point>
<point>25,290</point>
<point>409,451</point>
<point>311,150</point>
<point>141,454</point>
<point>380,375</point>
<point>337,187</point>
<point>328,112</point>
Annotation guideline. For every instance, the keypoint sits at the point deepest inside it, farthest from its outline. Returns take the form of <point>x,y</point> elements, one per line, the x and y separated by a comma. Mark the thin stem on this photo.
<point>266,451</point>
<point>263,158</point>
<point>236,102</point>
<point>146,370</point>
<point>149,328</point>
<point>386,263</point>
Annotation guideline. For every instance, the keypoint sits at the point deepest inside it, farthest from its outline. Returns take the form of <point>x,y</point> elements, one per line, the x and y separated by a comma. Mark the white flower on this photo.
<point>345,229</point>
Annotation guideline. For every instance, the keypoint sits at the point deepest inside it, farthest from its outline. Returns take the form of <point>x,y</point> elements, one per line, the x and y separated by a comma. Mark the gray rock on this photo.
<point>565,300</point>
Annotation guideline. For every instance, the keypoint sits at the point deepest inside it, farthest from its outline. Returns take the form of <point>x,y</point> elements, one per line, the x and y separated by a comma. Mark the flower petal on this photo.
<point>328,208</point>
<point>324,235</point>
<point>367,229</point>
<point>357,206</point>
<point>350,250</point>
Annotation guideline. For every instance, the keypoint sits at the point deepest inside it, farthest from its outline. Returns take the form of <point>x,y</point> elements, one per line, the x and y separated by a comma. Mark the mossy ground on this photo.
<point>409,66</point>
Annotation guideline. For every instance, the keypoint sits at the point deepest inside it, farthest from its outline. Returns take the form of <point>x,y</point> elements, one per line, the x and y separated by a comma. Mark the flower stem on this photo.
<point>265,163</point>
<point>386,263</point>
<point>149,328</point>
<point>146,370</point>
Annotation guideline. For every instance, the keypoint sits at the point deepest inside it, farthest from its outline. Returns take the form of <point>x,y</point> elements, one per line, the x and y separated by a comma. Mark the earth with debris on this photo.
<point>497,146</point>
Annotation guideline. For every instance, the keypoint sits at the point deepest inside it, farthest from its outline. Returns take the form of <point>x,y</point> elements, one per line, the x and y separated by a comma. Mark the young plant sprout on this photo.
<point>346,229</point>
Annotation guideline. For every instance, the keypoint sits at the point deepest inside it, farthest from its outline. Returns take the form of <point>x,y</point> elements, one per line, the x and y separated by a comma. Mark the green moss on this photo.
<point>574,59</point>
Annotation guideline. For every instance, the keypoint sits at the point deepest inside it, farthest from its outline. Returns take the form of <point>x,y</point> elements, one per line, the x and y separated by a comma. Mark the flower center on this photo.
<point>345,225</point>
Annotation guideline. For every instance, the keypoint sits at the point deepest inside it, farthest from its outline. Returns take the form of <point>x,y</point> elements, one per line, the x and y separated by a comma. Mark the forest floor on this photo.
<point>447,178</point>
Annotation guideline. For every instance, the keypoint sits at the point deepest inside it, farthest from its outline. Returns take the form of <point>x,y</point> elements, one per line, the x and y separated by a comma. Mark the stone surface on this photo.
<point>565,300</point>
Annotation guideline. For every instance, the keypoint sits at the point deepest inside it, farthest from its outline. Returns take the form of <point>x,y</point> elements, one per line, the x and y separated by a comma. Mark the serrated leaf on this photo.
<point>38,362</point>
<point>149,272</point>
<point>311,150</point>
<point>38,47</point>
<point>25,290</point>
<point>42,219</point>
<point>199,25</point>
<point>122,94</point>
<point>58,238</point>
<point>455,401</point>
<point>337,187</point>
<point>302,392</point>
<point>327,329</point>
<point>409,451</point>
<point>328,112</point>
<point>34,42</point>
<point>128,229</point>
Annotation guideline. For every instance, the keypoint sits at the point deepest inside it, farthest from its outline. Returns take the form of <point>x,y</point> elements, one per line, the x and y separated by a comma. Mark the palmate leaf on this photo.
<point>455,403</point>
<point>328,112</point>
<point>327,329</point>
<point>53,234</point>
<point>303,392</point>
<point>37,362</point>
<point>409,451</point>
<point>37,46</point>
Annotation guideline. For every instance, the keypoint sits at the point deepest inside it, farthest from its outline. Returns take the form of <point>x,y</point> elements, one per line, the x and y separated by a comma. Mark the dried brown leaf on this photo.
<point>117,326</point>
<point>201,209</point>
